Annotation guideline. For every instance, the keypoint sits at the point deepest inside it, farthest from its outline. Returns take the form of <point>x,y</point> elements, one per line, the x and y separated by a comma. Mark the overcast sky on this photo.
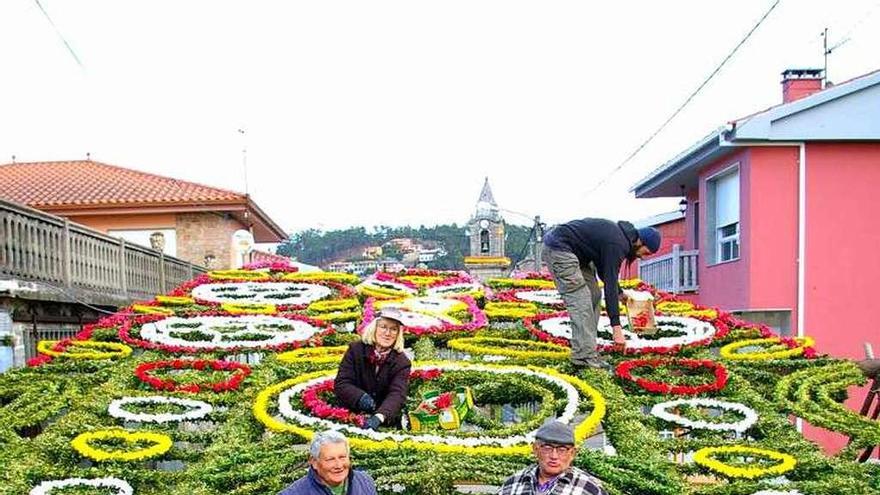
<point>393,112</point>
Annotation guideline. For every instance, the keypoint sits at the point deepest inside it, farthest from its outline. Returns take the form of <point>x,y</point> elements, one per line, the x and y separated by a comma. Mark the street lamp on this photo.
<point>683,204</point>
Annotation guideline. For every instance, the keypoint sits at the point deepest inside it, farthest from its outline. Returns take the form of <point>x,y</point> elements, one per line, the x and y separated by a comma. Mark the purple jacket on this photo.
<point>359,483</point>
<point>388,386</point>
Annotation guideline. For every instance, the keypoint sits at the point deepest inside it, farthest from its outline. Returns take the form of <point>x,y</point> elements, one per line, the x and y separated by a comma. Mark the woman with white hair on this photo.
<point>330,470</point>
<point>373,377</point>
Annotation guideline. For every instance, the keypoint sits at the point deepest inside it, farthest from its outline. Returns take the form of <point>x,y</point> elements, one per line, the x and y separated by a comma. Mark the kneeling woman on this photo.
<point>373,377</point>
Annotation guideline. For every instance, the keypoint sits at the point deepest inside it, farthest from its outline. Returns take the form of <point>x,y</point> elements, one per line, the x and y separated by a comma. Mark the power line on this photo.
<point>69,48</point>
<point>688,100</point>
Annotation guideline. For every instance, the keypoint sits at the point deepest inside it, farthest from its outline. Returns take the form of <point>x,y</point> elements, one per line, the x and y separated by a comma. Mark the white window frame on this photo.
<point>717,240</point>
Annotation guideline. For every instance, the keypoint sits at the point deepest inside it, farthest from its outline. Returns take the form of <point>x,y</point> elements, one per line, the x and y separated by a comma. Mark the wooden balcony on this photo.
<point>54,259</point>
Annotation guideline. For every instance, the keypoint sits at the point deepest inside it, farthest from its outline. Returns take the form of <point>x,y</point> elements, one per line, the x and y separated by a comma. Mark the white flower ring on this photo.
<point>750,417</point>
<point>520,442</point>
<point>196,409</point>
<point>223,330</point>
<point>692,331</point>
<point>119,487</point>
<point>549,297</point>
<point>430,305</point>
<point>277,293</point>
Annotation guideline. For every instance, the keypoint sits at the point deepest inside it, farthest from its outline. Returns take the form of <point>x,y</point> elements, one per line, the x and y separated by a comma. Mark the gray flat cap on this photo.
<point>391,314</point>
<point>556,432</point>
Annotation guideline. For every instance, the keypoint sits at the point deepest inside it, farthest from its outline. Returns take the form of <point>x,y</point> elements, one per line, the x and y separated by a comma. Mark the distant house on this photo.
<point>190,221</point>
<point>781,212</point>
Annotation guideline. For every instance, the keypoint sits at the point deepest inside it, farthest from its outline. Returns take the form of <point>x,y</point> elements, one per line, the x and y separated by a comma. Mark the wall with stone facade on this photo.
<point>203,234</point>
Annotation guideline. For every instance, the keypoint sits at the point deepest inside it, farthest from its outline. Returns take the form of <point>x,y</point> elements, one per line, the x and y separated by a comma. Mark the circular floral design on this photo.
<point>386,287</point>
<point>705,457</point>
<point>277,293</point>
<point>750,417</point>
<point>239,372</point>
<point>119,487</point>
<point>793,348</point>
<point>303,424</point>
<point>556,327</point>
<point>225,332</point>
<point>473,289</point>
<point>625,371</point>
<point>159,444</point>
<point>196,409</point>
<point>430,315</point>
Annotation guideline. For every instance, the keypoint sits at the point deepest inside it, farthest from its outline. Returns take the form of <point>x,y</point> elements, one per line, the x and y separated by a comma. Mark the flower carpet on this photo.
<point>216,387</point>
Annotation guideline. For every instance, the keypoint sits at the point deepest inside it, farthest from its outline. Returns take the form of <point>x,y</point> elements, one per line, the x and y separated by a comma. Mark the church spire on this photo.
<point>486,194</point>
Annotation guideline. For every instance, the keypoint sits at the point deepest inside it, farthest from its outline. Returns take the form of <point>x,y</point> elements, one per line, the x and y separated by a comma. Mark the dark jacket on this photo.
<point>359,483</point>
<point>604,243</point>
<point>388,386</point>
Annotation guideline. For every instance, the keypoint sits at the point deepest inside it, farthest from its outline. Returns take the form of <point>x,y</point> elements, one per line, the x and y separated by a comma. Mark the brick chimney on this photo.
<point>800,83</point>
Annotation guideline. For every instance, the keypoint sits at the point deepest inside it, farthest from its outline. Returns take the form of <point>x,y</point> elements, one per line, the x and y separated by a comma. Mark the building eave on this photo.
<point>682,170</point>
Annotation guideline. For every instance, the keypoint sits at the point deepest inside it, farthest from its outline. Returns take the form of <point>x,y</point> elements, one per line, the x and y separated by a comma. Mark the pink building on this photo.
<point>781,216</point>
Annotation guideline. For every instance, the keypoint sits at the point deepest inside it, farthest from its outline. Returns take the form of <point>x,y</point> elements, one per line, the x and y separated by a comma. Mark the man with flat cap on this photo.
<point>576,253</point>
<point>554,449</point>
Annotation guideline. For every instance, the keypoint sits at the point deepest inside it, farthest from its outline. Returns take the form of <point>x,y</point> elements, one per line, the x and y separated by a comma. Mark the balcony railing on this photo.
<point>38,247</point>
<point>675,272</point>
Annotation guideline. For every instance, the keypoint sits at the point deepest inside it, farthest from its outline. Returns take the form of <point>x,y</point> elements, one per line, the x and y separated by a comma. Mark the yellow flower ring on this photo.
<point>343,278</point>
<point>674,307</point>
<point>507,347</point>
<point>160,444</point>
<point>730,351</point>
<point>704,457</point>
<point>175,300</point>
<point>249,308</point>
<point>111,349</point>
<point>513,310</point>
<point>239,275</point>
<point>313,355</point>
<point>333,306</point>
<point>151,310</point>
<point>395,441</point>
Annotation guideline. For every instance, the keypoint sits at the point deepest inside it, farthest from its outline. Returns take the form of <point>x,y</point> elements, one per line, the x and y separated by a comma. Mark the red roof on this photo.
<point>87,187</point>
<point>87,182</point>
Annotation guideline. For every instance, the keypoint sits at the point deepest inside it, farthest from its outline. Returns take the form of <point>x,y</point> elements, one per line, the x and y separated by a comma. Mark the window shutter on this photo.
<point>727,199</point>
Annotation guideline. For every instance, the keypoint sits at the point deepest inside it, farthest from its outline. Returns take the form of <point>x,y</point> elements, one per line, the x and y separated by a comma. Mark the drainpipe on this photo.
<point>802,235</point>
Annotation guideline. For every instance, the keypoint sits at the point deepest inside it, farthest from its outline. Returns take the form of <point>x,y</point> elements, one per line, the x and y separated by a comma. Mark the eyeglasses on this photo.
<point>388,330</point>
<point>547,448</point>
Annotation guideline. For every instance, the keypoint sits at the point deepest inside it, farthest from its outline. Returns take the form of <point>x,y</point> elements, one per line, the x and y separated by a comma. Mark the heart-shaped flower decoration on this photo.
<point>680,367</point>
<point>155,444</point>
<point>239,371</point>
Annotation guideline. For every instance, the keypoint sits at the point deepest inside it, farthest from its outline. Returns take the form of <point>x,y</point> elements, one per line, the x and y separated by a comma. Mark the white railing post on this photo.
<point>66,255</point>
<point>676,268</point>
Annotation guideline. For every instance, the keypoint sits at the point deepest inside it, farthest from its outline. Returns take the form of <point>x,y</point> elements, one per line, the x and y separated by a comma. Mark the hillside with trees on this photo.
<point>317,247</point>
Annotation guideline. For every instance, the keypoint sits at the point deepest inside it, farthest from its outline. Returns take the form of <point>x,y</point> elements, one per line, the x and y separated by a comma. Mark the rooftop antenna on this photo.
<point>88,156</point>
<point>13,159</point>
<point>826,50</point>
<point>241,131</point>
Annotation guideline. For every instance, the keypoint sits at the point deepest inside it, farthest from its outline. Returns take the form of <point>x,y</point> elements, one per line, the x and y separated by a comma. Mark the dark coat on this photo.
<point>601,242</point>
<point>359,483</point>
<point>388,387</point>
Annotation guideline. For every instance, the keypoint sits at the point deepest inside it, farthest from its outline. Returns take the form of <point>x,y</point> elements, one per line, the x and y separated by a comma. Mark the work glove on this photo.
<point>366,403</point>
<point>373,422</point>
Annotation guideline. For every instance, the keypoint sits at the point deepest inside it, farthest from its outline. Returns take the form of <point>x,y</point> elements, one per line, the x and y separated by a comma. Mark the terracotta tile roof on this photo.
<point>87,182</point>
